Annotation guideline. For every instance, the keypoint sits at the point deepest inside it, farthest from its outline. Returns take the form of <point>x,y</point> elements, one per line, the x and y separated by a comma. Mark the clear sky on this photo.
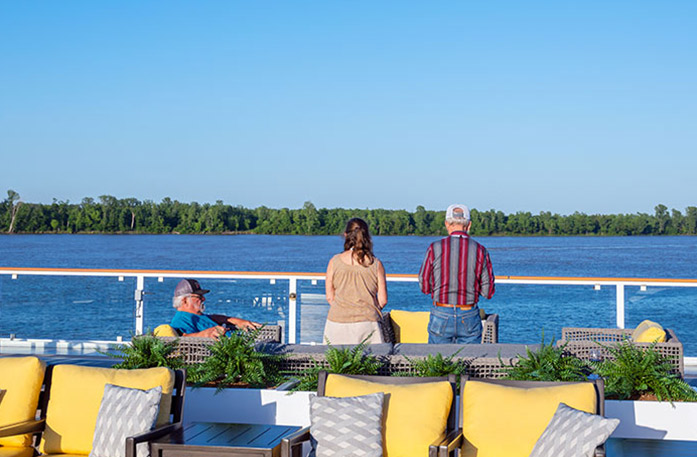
<point>552,105</point>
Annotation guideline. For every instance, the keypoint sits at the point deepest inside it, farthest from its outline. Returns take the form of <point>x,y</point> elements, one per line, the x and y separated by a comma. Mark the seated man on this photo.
<point>190,321</point>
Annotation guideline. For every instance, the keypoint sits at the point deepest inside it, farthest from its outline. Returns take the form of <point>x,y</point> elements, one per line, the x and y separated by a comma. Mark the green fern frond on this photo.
<point>147,351</point>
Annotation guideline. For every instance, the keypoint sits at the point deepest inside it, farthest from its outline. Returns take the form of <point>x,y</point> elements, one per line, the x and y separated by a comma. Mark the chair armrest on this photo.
<point>132,441</point>
<point>291,446</point>
<point>21,428</point>
<point>447,446</point>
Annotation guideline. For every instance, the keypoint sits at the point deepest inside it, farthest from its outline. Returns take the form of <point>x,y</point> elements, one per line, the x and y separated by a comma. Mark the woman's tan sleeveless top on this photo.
<point>355,292</point>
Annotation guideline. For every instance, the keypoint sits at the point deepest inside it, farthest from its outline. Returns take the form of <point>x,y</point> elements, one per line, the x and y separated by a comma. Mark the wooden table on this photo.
<point>211,439</point>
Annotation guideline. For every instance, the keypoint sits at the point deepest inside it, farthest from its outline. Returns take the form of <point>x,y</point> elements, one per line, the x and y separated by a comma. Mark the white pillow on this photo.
<point>346,426</point>
<point>573,433</point>
<point>124,412</point>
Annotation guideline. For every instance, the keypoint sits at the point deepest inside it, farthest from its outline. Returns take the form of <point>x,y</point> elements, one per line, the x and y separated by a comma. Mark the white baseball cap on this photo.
<point>458,214</point>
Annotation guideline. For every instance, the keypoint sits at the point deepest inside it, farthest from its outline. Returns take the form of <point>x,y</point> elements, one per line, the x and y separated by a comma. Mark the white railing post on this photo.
<point>139,311</point>
<point>292,310</point>
<point>620,305</point>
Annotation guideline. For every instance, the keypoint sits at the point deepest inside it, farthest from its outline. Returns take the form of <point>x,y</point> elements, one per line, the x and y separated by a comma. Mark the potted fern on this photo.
<point>147,351</point>
<point>235,362</point>
<point>548,363</point>
<point>348,360</point>
<point>436,365</point>
<point>634,375</point>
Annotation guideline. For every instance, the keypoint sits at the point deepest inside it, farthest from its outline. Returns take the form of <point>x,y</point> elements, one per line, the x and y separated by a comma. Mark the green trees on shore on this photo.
<point>108,214</point>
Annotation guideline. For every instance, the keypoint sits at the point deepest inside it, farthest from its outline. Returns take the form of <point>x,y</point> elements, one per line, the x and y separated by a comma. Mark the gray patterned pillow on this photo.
<point>573,433</point>
<point>124,412</point>
<point>346,426</point>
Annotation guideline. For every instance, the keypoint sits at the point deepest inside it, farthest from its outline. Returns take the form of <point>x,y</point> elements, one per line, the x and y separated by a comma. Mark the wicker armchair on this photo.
<point>581,341</point>
<point>194,349</point>
<point>490,329</point>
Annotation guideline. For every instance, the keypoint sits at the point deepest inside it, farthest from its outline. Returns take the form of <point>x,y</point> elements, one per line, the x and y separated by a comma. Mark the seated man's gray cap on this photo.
<point>189,287</point>
<point>456,213</point>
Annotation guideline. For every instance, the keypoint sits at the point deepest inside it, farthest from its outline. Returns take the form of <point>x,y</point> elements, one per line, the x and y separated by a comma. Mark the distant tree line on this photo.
<point>108,214</point>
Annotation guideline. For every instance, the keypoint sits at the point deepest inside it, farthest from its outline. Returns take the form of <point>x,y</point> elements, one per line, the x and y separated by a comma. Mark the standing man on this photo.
<point>455,272</point>
<point>189,319</point>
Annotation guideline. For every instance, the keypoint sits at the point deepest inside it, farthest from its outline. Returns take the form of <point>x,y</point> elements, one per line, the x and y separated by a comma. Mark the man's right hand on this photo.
<point>212,332</point>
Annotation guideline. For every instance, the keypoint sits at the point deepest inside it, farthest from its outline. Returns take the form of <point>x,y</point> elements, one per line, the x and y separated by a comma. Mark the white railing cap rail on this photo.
<point>503,279</point>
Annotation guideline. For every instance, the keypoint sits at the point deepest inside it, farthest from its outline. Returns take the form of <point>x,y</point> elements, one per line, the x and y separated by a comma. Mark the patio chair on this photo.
<point>71,398</point>
<point>399,326</point>
<point>505,417</point>
<point>587,342</point>
<point>194,349</point>
<point>419,412</point>
<point>21,378</point>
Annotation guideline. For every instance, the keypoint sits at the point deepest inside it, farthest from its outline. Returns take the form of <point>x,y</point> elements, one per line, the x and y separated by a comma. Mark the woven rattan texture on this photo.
<point>397,365</point>
<point>581,341</point>
<point>477,367</point>
<point>194,349</point>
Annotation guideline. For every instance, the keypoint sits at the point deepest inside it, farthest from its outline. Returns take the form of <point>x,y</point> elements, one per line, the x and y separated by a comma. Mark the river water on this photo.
<point>102,308</point>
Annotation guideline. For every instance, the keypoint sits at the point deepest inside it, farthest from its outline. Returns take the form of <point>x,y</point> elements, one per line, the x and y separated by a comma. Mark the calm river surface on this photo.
<point>102,308</point>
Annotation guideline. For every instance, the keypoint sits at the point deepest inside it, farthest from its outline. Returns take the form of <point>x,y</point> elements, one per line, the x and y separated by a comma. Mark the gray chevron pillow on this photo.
<point>124,412</point>
<point>349,426</point>
<point>573,433</point>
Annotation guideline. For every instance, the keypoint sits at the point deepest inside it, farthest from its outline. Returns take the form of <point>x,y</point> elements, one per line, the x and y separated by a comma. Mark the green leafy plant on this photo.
<point>340,361</point>
<point>147,351</point>
<point>548,363</point>
<point>435,365</point>
<point>234,361</point>
<point>632,373</point>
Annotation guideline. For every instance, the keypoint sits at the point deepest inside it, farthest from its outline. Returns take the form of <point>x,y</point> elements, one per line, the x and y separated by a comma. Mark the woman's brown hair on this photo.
<point>357,237</point>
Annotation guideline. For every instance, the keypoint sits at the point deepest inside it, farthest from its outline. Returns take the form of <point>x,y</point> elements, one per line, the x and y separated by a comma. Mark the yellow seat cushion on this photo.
<point>21,378</point>
<point>76,394</point>
<point>16,451</point>
<point>416,414</point>
<point>649,332</point>
<point>164,330</point>
<point>410,326</point>
<point>502,421</point>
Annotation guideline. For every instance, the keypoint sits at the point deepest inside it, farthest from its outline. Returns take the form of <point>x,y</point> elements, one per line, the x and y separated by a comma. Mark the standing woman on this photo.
<point>356,289</point>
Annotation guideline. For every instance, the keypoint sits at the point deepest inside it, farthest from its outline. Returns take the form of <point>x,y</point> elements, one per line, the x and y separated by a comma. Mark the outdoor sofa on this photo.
<point>593,344</point>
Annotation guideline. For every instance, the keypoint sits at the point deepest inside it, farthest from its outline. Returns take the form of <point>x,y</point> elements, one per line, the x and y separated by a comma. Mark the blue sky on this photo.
<point>518,106</point>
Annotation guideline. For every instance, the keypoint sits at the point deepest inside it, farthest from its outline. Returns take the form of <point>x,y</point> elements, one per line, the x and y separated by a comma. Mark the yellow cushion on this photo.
<point>164,330</point>
<point>649,332</point>
<point>415,417</point>
<point>76,393</point>
<point>410,326</point>
<point>17,452</point>
<point>502,421</point>
<point>21,378</point>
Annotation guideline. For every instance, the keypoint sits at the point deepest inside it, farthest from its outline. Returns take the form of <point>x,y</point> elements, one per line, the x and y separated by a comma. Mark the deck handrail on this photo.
<point>619,283</point>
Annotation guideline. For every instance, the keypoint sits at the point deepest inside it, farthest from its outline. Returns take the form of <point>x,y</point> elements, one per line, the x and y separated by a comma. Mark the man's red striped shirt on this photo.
<point>457,270</point>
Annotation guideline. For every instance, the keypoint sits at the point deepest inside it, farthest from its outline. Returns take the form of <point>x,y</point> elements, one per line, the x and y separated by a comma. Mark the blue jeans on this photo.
<point>454,325</point>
